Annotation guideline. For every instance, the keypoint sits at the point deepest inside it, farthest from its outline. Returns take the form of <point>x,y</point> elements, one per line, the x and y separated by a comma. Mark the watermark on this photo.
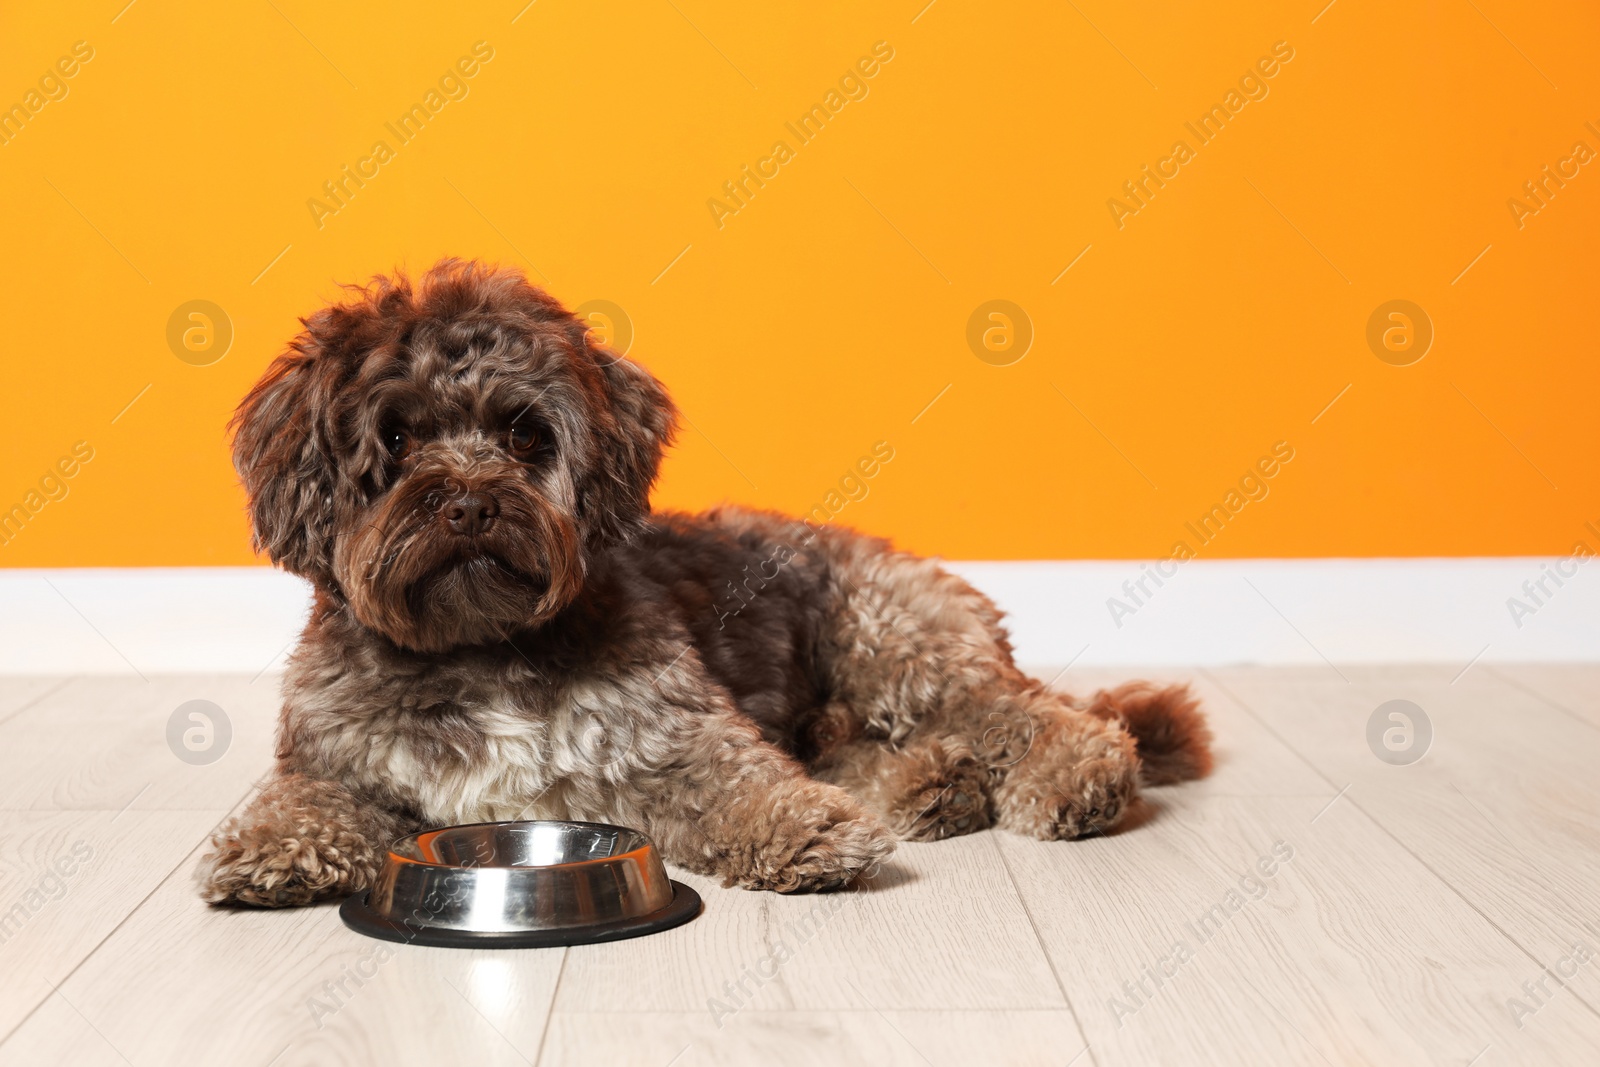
<point>1252,885</point>
<point>199,732</point>
<point>50,887</point>
<point>53,486</point>
<point>743,594</point>
<point>999,332</point>
<point>852,487</point>
<point>334,995</point>
<point>199,332</point>
<point>1252,486</point>
<point>51,87</point>
<point>1399,332</point>
<point>1399,732</point>
<point>603,738</point>
<point>1551,180</point>
<point>608,326</point>
<point>1154,177</point>
<point>1537,592</point>
<point>852,86</point>
<point>1537,991</point>
<point>793,937</point>
<point>340,190</point>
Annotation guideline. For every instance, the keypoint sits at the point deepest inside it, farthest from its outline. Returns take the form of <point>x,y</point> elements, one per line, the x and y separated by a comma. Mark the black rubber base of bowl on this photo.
<point>363,920</point>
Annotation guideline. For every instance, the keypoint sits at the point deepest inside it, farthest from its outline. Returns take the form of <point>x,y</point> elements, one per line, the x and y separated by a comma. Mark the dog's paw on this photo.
<point>1093,802</point>
<point>274,870</point>
<point>826,841</point>
<point>948,811</point>
<point>1057,794</point>
<point>948,800</point>
<point>835,856</point>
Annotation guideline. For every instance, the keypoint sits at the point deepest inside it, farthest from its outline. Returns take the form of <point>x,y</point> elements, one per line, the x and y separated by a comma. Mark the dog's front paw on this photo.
<point>299,840</point>
<point>272,869</point>
<point>836,855</point>
<point>821,839</point>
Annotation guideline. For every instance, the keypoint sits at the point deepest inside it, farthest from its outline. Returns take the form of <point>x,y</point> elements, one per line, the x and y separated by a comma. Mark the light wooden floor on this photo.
<point>1417,903</point>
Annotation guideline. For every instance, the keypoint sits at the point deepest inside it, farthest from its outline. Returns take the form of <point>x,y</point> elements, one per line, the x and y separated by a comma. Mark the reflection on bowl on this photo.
<point>521,884</point>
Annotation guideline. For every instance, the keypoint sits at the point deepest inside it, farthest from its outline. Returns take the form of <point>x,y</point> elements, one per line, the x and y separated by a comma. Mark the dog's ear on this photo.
<point>281,450</point>
<point>634,430</point>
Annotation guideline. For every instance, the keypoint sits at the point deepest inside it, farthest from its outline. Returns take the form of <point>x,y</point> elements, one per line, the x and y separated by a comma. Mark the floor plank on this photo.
<point>815,952</point>
<point>100,743</point>
<point>183,982</point>
<point>863,1038</point>
<point>1501,808</point>
<point>1573,688</point>
<point>67,879</point>
<point>19,692</point>
<point>1350,952</point>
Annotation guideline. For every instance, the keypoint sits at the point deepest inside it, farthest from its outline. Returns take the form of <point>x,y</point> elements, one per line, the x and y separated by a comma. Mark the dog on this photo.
<point>502,629</point>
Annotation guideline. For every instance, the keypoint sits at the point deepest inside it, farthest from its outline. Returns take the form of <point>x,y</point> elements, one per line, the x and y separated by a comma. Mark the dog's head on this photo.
<point>448,456</point>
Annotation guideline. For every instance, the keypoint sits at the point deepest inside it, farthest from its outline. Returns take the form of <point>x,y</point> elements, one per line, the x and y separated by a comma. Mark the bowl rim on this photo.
<point>391,856</point>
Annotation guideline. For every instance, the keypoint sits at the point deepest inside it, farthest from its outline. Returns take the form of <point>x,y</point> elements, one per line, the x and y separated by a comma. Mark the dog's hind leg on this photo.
<point>1172,736</point>
<point>1006,752</point>
<point>925,696</point>
<point>915,662</point>
<point>1075,773</point>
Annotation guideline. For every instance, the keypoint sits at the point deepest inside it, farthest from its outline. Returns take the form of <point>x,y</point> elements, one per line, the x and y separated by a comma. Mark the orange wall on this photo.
<point>826,313</point>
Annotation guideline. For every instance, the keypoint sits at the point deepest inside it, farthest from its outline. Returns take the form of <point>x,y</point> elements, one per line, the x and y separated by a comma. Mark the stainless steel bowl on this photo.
<point>521,885</point>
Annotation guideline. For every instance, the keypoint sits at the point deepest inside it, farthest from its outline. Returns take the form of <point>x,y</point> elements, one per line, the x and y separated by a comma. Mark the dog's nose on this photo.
<point>471,513</point>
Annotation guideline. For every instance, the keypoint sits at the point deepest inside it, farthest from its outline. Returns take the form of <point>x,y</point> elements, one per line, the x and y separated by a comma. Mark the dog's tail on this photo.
<point>1173,739</point>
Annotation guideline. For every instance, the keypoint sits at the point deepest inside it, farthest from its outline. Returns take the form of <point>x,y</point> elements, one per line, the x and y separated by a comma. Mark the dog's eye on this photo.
<point>396,442</point>
<point>522,439</point>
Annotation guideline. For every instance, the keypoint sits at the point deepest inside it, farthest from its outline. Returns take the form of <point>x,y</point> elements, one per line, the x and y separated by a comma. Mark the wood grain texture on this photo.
<point>100,743</point>
<point>766,951</point>
<point>1500,809</point>
<point>1417,903</point>
<point>1570,687</point>
<point>185,982</point>
<point>1349,952</point>
<point>863,1038</point>
<point>67,879</point>
<point>17,693</point>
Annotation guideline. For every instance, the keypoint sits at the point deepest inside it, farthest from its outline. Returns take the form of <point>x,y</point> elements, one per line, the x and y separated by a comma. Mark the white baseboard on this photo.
<point>242,619</point>
<point>1295,611</point>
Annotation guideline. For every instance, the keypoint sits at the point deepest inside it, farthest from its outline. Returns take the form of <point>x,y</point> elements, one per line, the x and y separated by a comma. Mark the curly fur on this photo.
<point>565,657</point>
<point>1173,738</point>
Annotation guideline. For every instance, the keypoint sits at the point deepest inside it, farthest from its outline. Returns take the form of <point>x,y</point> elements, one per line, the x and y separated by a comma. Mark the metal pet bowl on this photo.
<point>520,885</point>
